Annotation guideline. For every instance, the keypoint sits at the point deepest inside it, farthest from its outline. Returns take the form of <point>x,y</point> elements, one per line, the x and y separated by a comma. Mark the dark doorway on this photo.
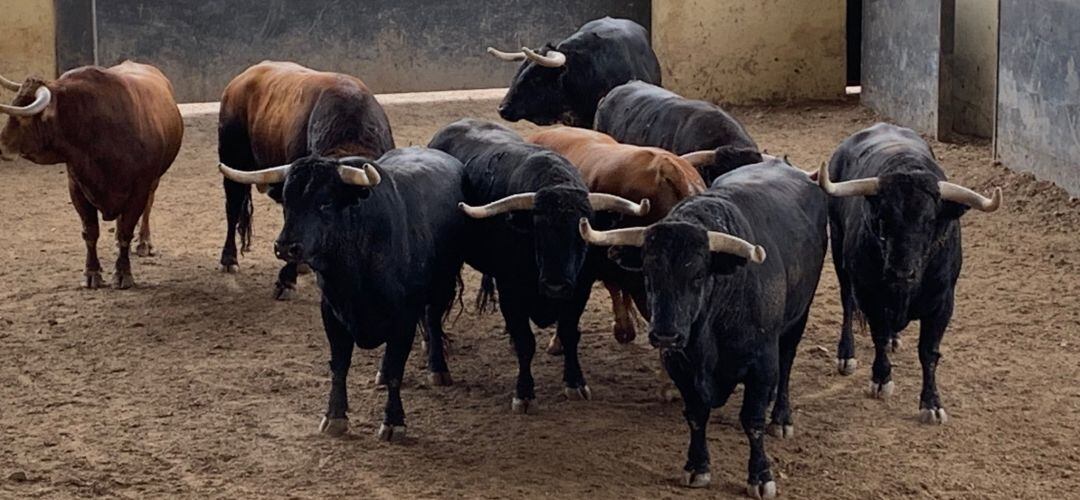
<point>854,42</point>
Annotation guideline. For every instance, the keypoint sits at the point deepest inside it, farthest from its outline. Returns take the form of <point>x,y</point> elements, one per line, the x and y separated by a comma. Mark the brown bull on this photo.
<point>276,112</point>
<point>118,130</point>
<point>631,172</point>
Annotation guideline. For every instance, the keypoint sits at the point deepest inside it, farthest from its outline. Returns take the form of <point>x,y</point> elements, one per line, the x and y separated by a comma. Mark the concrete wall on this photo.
<point>742,51</point>
<point>27,34</point>
<point>1038,127</point>
<point>393,45</point>
<point>968,67</point>
<point>900,56</point>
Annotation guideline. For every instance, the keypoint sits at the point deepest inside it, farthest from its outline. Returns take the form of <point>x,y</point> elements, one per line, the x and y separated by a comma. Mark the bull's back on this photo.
<point>156,104</point>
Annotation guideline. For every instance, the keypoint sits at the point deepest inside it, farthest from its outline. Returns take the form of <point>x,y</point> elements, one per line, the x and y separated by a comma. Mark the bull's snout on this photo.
<point>289,252</point>
<point>556,290</point>
<point>507,114</point>
<point>901,275</point>
<point>665,340</point>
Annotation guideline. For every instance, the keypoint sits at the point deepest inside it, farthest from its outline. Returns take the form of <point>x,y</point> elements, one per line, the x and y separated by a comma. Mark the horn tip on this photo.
<point>757,256</point>
<point>645,207</point>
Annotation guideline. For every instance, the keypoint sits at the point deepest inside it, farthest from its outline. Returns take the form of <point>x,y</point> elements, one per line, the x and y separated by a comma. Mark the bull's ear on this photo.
<point>725,263</point>
<point>951,210</point>
<point>628,258</point>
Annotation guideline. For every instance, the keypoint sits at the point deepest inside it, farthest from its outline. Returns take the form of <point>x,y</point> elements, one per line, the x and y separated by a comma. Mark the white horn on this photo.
<point>858,187</point>
<point>506,56</point>
<point>553,59</point>
<point>726,243</point>
<point>699,159</point>
<point>8,84</point>
<point>41,101</point>
<point>604,201</point>
<point>272,175</point>
<point>367,176</point>
<point>521,201</point>
<point>965,196</point>
<point>632,236</point>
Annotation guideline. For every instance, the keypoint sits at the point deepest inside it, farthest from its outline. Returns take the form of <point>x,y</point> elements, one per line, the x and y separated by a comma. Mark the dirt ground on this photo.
<point>198,384</point>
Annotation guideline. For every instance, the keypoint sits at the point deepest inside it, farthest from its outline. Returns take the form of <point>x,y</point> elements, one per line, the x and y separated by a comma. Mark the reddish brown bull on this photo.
<point>118,130</point>
<point>276,112</point>
<point>631,172</point>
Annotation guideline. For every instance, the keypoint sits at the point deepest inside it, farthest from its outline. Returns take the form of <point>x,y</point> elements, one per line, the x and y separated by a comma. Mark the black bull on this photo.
<point>564,83</point>
<point>895,228</point>
<point>727,311</point>
<point>386,244</point>
<point>526,202</point>
<point>647,115</point>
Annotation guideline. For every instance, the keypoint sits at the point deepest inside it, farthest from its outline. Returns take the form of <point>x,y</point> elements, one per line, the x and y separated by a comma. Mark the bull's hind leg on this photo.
<point>237,210</point>
<point>145,248</point>
<point>931,330</point>
<point>439,371</point>
<point>336,420</point>
<point>397,354</point>
<point>782,425</point>
<point>285,286</point>
<point>845,350</point>
<point>623,309</point>
<point>570,335</point>
<point>90,233</point>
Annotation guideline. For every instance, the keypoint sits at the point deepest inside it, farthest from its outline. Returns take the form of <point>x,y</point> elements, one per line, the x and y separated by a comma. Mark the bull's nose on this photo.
<point>904,275</point>
<point>288,251</point>
<point>556,290</point>
<point>663,340</point>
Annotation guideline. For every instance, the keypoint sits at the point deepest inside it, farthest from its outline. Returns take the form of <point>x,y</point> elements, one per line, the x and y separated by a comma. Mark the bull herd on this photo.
<point>668,202</point>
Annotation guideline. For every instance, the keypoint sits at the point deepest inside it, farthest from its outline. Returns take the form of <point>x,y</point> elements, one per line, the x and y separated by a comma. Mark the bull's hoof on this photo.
<point>880,391</point>
<point>123,281</point>
<point>92,280</point>
<point>380,379</point>
<point>578,393</point>
<point>847,366</point>
<point>284,291</point>
<point>441,379</point>
<point>229,268</point>
<point>693,479</point>
<point>623,334</point>
<point>781,431</point>
<point>668,393</point>
<point>144,249</point>
<point>334,426</point>
<point>896,344</point>
<point>554,346</point>
<point>391,433</point>
<point>303,268</point>
<point>522,406</point>
<point>761,490</point>
<point>933,416</point>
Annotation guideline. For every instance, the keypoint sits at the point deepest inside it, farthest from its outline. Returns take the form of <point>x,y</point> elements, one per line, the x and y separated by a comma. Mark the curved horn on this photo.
<point>726,243</point>
<point>553,59</point>
<point>506,56</point>
<point>631,236</point>
<point>521,201</point>
<point>858,187</point>
<point>272,175</point>
<point>965,196</point>
<point>604,201</point>
<point>42,98</point>
<point>10,85</point>
<point>366,176</point>
<point>699,159</point>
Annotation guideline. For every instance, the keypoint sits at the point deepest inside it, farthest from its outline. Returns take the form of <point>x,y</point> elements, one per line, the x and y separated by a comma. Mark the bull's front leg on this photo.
<point>90,233</point>
<point>759,387</point>
<point>515,313</point>
<point>622,308</point>
<point>570,335</point>
<point>696,411</point>
<point>397,354</point>
<point>145,248</point>
<point>931,330</point>
<point>336,420</point>
<point>881,384</point>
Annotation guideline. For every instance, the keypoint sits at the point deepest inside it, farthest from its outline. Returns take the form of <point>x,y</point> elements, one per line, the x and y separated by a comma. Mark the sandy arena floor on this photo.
<point>198,384</point>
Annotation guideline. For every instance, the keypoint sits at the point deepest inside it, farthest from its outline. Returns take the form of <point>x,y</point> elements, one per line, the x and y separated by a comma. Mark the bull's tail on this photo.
<point>486,298</point>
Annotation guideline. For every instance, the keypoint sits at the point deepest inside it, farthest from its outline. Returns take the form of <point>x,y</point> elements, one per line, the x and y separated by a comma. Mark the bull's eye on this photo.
<point>326,207</point>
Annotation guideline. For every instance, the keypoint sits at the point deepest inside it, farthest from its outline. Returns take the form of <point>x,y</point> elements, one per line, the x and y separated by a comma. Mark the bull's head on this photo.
<point>316,197</point>
<point>30,121</point>
<point>536,92</point>
<point>551,215</point>
<point>907,213</point>
<point>679,261</point>
<point>714,163</point>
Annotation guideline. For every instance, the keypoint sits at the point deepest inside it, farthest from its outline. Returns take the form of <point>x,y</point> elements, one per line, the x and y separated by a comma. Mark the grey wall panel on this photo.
<point>900,54</point>
<point>1038,127</point>
<point>393,45</point>
<point>74,34</point>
